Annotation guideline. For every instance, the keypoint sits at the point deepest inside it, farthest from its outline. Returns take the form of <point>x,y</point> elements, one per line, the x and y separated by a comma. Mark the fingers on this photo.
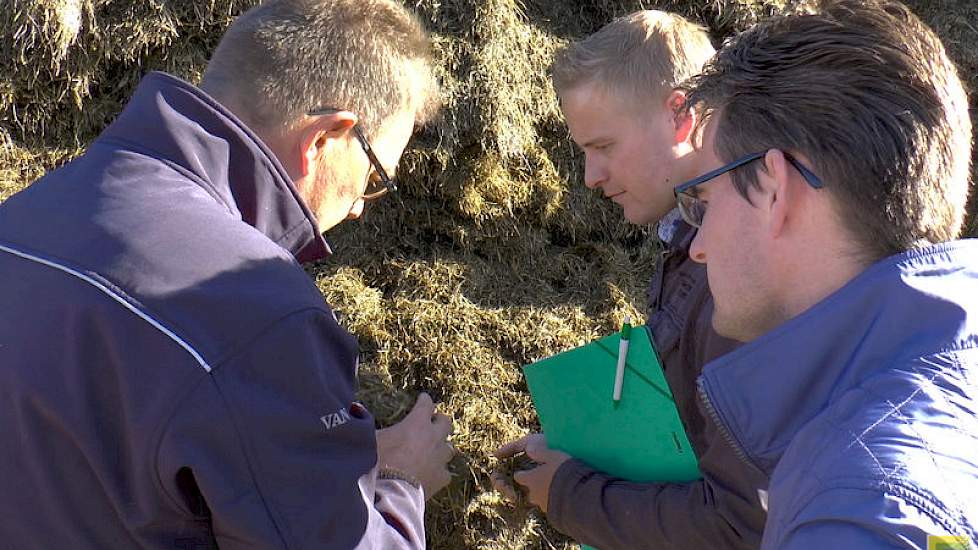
<point>513,447</point>
<point>443,425</point>
<point>534,445</point>
<point>536,448</point>
<point>437,480</point>
<point>536,482</point>
<point>444,478</point>
<point>424,412</point>
<point>423,408</point>
<point>445,453</point>
<point>523,476</point>
<point>501,484</point>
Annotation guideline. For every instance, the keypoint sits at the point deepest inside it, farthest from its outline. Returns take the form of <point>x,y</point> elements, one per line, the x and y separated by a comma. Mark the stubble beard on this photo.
<point>745,323</point>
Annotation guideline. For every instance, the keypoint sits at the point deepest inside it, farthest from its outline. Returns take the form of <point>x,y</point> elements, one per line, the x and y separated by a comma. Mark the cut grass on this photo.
<point>492,256</point>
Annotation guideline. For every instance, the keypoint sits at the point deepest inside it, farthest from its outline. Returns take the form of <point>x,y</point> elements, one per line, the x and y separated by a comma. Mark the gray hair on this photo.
<point>284,58</point>
<point>635,56</point>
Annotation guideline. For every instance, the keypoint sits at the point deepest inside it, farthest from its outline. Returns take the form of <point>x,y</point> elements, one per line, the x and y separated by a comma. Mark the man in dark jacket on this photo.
<point>171,378</point>
<point>623,110</point>
<point>838,147</point>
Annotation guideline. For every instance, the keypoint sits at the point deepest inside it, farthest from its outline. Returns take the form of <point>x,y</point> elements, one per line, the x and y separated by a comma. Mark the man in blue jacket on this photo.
<point>841,142</point>
<point>171,378</point>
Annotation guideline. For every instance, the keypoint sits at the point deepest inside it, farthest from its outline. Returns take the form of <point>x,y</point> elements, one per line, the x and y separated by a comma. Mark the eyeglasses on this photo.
<point>383,184</point>
<point>693,209</point>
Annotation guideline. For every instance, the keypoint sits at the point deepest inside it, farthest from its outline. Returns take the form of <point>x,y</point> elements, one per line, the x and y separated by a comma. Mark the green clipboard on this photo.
<point>640,438</point>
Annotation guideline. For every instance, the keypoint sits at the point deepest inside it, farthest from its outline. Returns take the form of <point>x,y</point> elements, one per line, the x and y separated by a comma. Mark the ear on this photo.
<point>318,135</point>
<point>777,196</point>
<point>683,119</point>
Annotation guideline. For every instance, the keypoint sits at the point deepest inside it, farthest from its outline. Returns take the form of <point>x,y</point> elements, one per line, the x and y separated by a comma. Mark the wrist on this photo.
<point>387,472</point>
<point>568,477</point>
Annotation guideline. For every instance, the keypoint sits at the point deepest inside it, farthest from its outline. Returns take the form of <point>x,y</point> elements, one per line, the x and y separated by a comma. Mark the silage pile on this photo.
<point>494,254</point>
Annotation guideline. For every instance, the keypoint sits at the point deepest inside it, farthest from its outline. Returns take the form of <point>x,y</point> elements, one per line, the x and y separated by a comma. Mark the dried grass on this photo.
<point>493,255</point>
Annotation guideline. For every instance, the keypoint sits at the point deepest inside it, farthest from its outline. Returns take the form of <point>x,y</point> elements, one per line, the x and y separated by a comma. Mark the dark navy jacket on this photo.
<point>722,510</point>
<point>169,375</point>
<point>863,410</point>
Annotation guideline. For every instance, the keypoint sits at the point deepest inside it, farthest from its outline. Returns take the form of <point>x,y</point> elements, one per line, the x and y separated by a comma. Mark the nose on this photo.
<point>594,174</point>
<point>696,251</point>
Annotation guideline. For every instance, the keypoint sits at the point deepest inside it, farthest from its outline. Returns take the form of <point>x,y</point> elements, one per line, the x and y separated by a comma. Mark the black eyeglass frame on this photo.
<point>684,189</point>
<point>390,185</point>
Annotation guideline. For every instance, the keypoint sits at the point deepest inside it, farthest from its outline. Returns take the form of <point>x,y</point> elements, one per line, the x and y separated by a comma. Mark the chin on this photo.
<point>646,214</point>
<point>730,328</point>
<point>639,218</point>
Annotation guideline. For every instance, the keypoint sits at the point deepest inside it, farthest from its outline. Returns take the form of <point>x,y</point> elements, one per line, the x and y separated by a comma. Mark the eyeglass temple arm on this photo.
<point>809,176</point>
<point>388,182</point>
<point>721,170</point>
<point>373,159</point>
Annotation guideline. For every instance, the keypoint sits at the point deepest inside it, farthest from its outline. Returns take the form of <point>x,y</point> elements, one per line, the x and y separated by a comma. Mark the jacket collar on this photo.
<point>767,390</point>
<point>185,128</point>
<point>674,232</point>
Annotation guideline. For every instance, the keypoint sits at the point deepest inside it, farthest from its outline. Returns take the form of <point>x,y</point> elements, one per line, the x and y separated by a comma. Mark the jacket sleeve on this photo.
<point>722,510</point>
<point>271,449</point>
<point>850,517</point>
<point>832,534</point>
<point>611,513</point>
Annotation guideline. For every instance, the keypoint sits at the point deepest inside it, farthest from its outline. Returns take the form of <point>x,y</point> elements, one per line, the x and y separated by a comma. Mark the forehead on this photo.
<point>592,108</point>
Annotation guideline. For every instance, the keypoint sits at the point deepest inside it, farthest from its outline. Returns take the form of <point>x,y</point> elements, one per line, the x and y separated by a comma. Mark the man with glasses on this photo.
<point>171,376</point>
<point>842,144</point>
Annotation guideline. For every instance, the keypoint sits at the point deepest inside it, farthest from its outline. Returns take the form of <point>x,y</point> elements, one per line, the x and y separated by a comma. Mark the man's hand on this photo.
<point>536,480</point>
<point>418,446</point>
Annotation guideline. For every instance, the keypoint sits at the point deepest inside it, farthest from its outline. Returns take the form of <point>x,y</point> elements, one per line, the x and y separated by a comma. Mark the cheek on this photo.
<point>739,258</point>
<point>343,184</point>
<point>317,194</point>
<point>722,241</point>
<point>628,159</point>
<point>649,169</point>
<point>595,164</point>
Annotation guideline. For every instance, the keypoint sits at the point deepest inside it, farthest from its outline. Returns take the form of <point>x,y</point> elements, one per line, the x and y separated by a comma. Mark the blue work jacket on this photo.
<point>862,412</point>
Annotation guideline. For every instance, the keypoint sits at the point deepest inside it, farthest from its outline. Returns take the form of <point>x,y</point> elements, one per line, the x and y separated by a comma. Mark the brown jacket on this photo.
<point>723,509</point>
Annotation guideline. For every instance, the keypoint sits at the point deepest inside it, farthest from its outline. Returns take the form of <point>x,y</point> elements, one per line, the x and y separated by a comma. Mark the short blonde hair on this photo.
<point>636,56</point>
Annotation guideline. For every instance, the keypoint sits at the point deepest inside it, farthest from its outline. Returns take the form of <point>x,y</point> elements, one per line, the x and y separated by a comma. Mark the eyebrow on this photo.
<point>593,142</point>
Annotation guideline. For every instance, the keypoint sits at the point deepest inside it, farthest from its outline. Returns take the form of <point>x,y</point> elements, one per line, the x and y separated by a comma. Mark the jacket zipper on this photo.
<point>722,427</point>
<point>661,278</point>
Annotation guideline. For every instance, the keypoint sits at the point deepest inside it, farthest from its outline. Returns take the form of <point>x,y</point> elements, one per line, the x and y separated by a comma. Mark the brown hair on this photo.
<point>634,56</point>
<point>284,58</point>
<point>866,91</point>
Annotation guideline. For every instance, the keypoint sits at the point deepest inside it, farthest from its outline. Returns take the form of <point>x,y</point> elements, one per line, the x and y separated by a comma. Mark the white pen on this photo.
<point>626,332</point>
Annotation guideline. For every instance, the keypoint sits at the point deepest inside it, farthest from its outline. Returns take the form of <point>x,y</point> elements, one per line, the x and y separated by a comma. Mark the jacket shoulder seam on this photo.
<point>280,529</point>
<point>236,351</point>
<point>238,438</point>
<point>921,500</point>
<point>117,295</point>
